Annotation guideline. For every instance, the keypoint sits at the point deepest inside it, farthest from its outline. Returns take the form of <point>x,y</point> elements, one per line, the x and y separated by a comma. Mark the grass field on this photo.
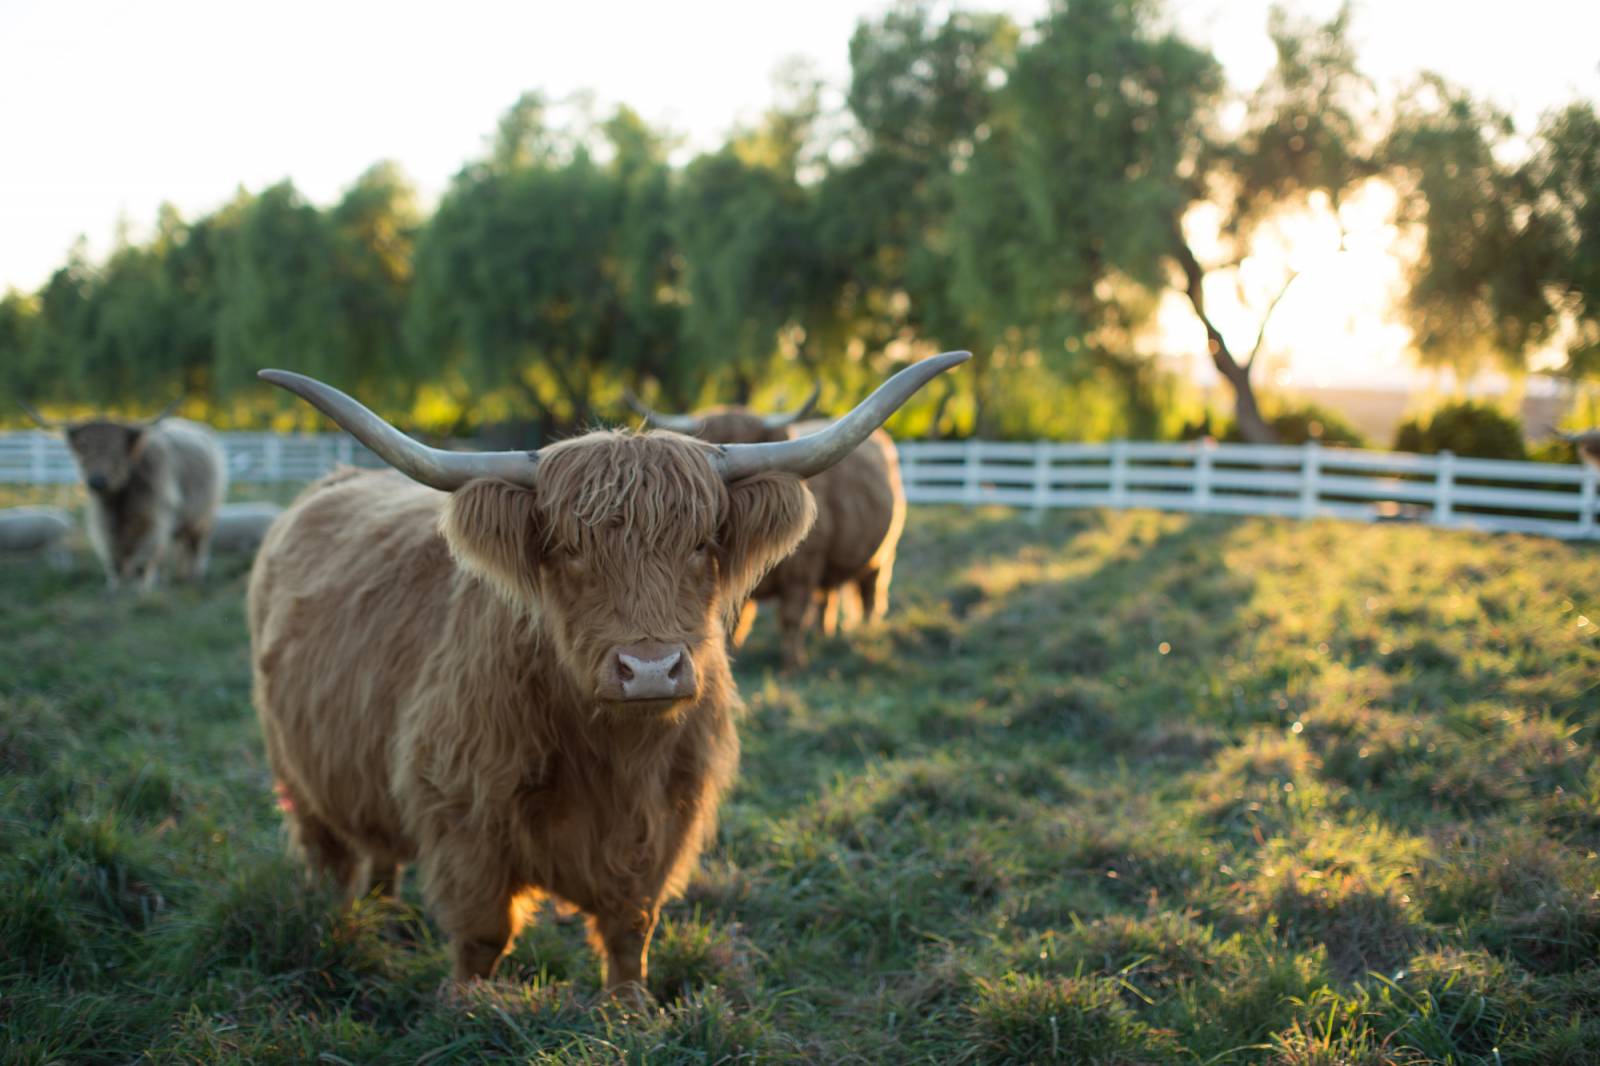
<point>1108,788</point>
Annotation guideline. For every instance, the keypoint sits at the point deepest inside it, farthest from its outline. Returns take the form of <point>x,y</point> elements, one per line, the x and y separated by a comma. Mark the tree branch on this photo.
<point>1261,334</point>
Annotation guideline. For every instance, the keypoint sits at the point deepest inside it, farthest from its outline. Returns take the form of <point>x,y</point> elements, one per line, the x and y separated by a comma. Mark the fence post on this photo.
<point>1443,510</point>
<point>39,458</point>
<point>1586,526</point>
<point>346,452</point>
<point>907,454</point>
<point>1041,475</point>
<point>1202,476</point>
<point>274,457</point>
<point>1119,473</point>
<point>1310,475</point>
<point>970,471</point>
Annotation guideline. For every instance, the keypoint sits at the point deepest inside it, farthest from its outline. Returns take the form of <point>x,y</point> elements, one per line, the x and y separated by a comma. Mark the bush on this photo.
<point>1468,429</point>
<point>1306,422</point>
<point>1554,450</point>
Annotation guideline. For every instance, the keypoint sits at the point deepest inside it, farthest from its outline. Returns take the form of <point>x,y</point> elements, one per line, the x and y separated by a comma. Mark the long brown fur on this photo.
<point>425,668</point>
<point>861,512</point>
<point>153,490</point>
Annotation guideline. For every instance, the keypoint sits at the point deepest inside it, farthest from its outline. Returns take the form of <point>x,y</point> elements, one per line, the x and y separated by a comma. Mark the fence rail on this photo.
<point>1299,481</point>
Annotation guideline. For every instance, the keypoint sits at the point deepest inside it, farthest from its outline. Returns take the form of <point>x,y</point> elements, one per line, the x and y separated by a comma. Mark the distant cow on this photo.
<point>516,676</point>
<point>861,510</point>
<point>154,487</point>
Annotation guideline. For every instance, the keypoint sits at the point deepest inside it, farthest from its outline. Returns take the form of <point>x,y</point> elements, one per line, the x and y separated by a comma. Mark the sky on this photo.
<point>112,108</point>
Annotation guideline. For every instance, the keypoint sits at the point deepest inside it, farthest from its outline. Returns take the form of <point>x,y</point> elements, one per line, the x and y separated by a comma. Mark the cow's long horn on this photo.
<point>782,419</point>
<point>433,467</point>
<point>44,423</point>
<point>677,423</point>
<point>817,451</point>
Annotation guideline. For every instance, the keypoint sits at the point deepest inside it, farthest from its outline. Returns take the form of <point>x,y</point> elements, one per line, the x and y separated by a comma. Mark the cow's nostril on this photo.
<point>624,671</point>
<point>676,670</point>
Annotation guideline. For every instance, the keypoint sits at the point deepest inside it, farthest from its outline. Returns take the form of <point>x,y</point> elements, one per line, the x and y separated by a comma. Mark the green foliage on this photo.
<point>544,266</point>
<point>1511,248</point>
<point>1026,192</point>
<point>1299,423</point>
<point>1474,430</point>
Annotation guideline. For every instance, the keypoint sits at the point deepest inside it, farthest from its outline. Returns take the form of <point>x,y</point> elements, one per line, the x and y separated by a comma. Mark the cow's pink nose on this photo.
<point>650,672</point>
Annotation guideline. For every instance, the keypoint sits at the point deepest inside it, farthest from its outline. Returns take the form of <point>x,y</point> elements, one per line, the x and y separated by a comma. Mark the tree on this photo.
<point>1479,291</point>
<point>1070,204</point>
<point>1565,171</point>
<point>1074,214</point>
<point>1309,130</point>
<point>545,266</point>
<point>23,377</point>
<point>921,90</point>
<point>373,231</point>
<point>277,289</point>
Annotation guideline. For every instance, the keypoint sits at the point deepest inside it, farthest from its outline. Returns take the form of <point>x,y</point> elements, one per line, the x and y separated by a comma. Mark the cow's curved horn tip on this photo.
<point>956,357</point>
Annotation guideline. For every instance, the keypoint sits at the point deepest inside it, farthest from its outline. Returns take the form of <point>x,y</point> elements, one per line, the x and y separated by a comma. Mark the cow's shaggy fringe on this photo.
<point>425,671</point>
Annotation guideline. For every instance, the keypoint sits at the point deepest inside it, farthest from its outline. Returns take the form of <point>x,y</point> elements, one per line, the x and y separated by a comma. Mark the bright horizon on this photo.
<point>115,109</point>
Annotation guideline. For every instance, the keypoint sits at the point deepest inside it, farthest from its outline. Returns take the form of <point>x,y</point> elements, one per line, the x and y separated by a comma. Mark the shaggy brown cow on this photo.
<point>520,682</point>
<point>861,512</point>
<point>153,487</point>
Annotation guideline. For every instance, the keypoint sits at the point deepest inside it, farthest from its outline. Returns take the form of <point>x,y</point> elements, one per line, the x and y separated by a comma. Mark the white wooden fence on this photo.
<point>34,458</point>
<point>1303,481</point>
<point>1308,481</point>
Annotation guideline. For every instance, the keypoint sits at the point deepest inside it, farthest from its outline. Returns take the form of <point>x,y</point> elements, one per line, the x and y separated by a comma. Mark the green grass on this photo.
<point>1105,788</point>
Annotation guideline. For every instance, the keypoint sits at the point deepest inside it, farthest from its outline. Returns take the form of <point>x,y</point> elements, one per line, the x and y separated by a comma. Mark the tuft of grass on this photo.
<point>1064,1019</point>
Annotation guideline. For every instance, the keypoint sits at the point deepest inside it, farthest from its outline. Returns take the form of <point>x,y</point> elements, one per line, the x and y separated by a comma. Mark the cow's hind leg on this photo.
<point>832,609</point>
<point>326,853</point>
<point>383,880</point>
<point>193,552</point>
<point>873,585</point>
<point>794,607</point>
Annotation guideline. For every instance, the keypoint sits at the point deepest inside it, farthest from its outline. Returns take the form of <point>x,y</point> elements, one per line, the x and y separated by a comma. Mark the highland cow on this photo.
<point>861,511</point>
<point>154,488</point>
<point>515,675</point>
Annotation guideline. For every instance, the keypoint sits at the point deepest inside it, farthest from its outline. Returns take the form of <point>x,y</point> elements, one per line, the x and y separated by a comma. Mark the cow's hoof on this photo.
<point>631,995</point>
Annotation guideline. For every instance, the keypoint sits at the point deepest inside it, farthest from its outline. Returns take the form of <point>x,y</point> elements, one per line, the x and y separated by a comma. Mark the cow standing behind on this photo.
<point>520,682</point>
<point>861,512</point>
<point>154,488</point>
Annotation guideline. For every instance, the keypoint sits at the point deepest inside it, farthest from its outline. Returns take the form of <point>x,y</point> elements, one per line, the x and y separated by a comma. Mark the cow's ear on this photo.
<point>768,516</point>
<point>492,528</point>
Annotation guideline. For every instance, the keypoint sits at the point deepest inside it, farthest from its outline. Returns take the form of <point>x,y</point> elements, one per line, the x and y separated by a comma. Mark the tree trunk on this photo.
<point>1246,412</point>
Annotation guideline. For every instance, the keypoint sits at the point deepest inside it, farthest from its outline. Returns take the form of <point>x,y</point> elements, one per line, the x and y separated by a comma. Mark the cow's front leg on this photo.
<point>474,903</point>
<point>143,562</point>
<point>624,934</point>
